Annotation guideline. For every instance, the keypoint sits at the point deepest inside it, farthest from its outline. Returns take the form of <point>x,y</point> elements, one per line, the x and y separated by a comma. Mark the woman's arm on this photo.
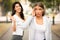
<point>13,23</point>
<point>28,20</point>
<point>48,33</point>
<point>31,34</point>
<point>14,26</point>
<point>26,23</point>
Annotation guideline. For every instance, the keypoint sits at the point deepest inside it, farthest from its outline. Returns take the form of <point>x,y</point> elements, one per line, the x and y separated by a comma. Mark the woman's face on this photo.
<point>17,8</point>
<point>38,10</point>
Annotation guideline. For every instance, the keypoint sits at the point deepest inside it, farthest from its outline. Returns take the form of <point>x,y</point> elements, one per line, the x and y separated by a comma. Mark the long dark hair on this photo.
<point>13,10</point>
<point>40,4</point>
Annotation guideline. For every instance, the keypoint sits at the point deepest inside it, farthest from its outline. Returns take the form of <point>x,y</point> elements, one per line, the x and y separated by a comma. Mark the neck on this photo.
<point>18,14</point>
<point>40,17</point>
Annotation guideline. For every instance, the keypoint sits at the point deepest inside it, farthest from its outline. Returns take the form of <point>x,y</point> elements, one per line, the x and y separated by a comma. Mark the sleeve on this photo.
<point>31,34</point>
<point>48,33</point>
<point>26,23</point>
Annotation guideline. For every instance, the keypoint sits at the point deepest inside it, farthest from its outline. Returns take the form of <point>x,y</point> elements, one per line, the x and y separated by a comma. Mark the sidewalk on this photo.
<point>5,27</point>
<point>56,29</point>
<point>5,31</point>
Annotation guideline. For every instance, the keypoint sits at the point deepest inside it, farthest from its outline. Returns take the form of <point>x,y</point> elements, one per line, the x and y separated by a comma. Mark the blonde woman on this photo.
<point>40,27</point>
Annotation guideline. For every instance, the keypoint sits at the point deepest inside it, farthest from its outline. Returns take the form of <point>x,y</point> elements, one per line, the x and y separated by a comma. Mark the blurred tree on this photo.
<point>7,5</point>
<point>48,3</point>
<point>33,1</point>
<point>57,3</point>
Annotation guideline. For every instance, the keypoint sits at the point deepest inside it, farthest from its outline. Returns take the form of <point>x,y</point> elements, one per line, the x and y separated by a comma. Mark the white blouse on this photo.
<point>21,25</point>
<point>40,32</point>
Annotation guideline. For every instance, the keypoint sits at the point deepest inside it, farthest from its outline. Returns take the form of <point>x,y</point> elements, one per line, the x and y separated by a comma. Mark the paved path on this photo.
<point>6,27</point>
<point>5,31</point>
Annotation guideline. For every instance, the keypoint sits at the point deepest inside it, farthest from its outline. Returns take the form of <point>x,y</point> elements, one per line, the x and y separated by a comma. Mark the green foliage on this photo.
<point>33,1</point>
<point>7,5</point>
<point>48,3</point>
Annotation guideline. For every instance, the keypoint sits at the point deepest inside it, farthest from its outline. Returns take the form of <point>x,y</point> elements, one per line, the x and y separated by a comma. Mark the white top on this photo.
<point>20,25</point>
<point>40,32</point>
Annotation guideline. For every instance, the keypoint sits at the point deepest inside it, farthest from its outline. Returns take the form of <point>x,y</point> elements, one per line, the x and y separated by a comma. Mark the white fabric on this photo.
<point>39,32</point>
<point>21,25</point>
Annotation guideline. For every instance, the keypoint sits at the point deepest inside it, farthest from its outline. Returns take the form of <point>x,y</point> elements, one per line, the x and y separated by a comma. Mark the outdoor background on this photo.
<point>52,9</point>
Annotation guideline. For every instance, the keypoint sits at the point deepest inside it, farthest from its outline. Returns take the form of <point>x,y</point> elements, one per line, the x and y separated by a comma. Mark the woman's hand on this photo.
<point>33,12</point>
<point>12,18</point>
<point>14,23</point>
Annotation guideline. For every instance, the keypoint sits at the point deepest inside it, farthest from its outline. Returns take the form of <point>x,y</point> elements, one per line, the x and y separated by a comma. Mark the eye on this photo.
<point>40,9</point>
<point>16,6</point>
<point>35,9</point>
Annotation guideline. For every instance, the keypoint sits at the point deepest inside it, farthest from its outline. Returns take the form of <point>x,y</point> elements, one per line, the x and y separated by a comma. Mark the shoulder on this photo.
<point>46,18</point>
<point>15,17</point>
<point>48,21</point>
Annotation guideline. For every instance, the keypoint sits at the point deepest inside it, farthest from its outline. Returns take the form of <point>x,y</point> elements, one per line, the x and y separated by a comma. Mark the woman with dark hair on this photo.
<point>18,21</point>
<point>20,13</point>
<point>40,27</point>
